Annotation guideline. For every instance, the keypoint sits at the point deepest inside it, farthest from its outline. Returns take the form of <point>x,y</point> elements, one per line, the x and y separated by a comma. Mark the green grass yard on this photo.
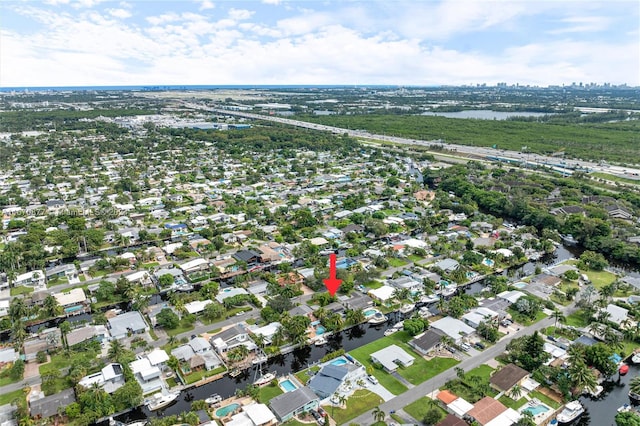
<point>267,393</point>
<point>199,375</point>
<point>360,402</point>
<point>482,371</point>
<point>418,409</point>
<point>544,398</point>
<point>524,320</point>
<point>16,291</point>
<point>510,403</point>
<point>395,262</point>
<point>6,398</point>
<point>576,319</point>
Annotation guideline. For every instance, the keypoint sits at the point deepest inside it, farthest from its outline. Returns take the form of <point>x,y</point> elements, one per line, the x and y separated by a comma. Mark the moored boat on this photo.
<point>264,379</point>
<point>320,341</point>
<point>407,307</point>
<point>213,399</point>
<point>571,411</point>
<point>378,318</point>
<point>636,358</point>
<point>159,400</point>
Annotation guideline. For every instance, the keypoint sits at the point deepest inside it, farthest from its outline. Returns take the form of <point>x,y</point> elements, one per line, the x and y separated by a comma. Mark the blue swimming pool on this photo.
<point>520,285</point>
<point>221,412</point>
<point>320,330</point>
<point>370,312</point>
<point>287,385</point>
<point>537,409</point>
<point>339,361</point>
<point>73,309</point>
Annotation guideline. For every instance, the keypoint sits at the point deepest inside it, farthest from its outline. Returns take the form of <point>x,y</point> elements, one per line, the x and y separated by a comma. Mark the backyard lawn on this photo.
<point>524,320</point>
<point>16,291</point>
<point>510,403</point>
<point>6,398</point>
<point>395,262</point>
<point>419,408</point>
<point>363,353</point>
<point>576,319</point>
<point>544,398</point>
<point>599,279</point>
<point>199,375</point>
<point>423,370</point>
<point>267,393</point>
<point>360,402</point>
<point>482,371</point>
<point>415,258</point>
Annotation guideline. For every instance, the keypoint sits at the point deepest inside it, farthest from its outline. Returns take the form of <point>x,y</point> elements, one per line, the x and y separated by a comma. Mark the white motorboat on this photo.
<point>260,360</point>
<point>139,423</point>
<point>320,341</point>
<point>429,299</point>
<point>449,290</point>
<point>624,408</point>
<point>264,379</point>
<point>424,312</point>
<point>634,396</point>
<point>407,307</point>
<point>595,392</point>
<point>571,411</point>
<point>390,331</point>
<point>378,318</point>
<point>159,400</point>
<point>213,399</point>
<point>636,358</point>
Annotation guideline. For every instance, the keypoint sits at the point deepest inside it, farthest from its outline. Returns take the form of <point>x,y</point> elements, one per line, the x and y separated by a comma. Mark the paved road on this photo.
<point>20,385</point>
<point>529,158</point>
<point>438,381</point>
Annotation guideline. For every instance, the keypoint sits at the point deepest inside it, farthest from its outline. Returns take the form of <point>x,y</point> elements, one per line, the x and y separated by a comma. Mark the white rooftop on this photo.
<point>460,407</point>
<point>452,327</point>
<point>195,263</point>
<point>157,356</point>
<point>383,293</point>
<point>391,355</point>
<point>506,418</point>
<point>230,292</point>
<point>73,296</point>
<point>196,306</point>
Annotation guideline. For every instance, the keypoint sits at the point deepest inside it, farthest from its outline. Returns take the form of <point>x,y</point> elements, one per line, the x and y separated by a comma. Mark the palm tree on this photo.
<point>116,350</point>
<point>634,387</point>
<point>378,414</point>
<point>582,377</point>
<point>342,400</point>
<point>18,334</point>
<point>460,373</point>
<point>51,306</point>
<point>65,328</point>
<point>18,309</point>
<point>354,316</point>
<point>557,315</point>
<point>238,353</point>
<point>516,392</point>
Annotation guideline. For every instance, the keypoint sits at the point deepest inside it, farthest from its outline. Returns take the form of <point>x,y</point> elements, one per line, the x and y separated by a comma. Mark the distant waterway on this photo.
<point>485,114</point>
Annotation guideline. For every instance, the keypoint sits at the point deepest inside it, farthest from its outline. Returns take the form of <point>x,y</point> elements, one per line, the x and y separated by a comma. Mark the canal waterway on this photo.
<point>601,411</point>
<point>292,362</point>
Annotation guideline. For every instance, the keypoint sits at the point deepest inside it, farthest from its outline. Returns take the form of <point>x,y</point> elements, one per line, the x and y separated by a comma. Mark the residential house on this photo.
<point>392,357</point>
<point>617,212</point>
<point>195,265</point>
<point>508,377</point>
<point>46,340</point>
<point>453,328</point>
<point>451,420</point>
<point>8,355</point>
<point>86,333</point>
<point>139,277</point>
<point>110,378</point>
<point>249,257</point>
<point>427,342</point>
<point>67,271</point>
<point>486,410</point>
<point>383,294</point>
<point>479,315</point>
<point>253,415</point>
<point>617,314</point>
<point>547,280</point>
<point>34,279</point>
<point>230,338</point>
<point>43,407</point>
<point>289,404</point>
<point>73,302</point>
<point>147,375</point>
<point>405,282</point>
<point>230,292</point>
<point>329,378</point>
<point>510,296</point>
<point>4,308</point>
<point>128,323</point>
<point>197,306</point>
<point>267,332</point>
<point>448,265</point>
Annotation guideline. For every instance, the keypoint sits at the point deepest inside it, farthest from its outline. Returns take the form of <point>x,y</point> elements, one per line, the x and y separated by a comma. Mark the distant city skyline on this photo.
<point>278,42</point>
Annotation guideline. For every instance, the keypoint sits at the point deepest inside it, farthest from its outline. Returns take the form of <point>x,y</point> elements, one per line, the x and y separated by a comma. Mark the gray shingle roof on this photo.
<point>48,406</point>
<point>287,403</point>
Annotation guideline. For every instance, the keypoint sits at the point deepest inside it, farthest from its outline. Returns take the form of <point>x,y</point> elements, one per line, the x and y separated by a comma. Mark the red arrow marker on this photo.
<point>332,283</point>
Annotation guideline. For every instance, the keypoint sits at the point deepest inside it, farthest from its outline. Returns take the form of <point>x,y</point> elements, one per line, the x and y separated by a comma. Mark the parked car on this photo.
<point>372,379</point>
<point>465,347</point>
<point>479,345</point>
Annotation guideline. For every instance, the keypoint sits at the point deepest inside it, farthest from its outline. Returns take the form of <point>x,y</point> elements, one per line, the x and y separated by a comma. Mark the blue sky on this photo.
<point>144,42</point>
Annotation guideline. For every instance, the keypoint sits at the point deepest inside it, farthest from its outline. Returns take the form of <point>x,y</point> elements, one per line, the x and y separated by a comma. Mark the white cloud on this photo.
<point>274,2</point>
<point>206,5</point>
<point>579,24</point>
<point>351,45</point>
<point>120,13</point>
<point>240,14</point>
